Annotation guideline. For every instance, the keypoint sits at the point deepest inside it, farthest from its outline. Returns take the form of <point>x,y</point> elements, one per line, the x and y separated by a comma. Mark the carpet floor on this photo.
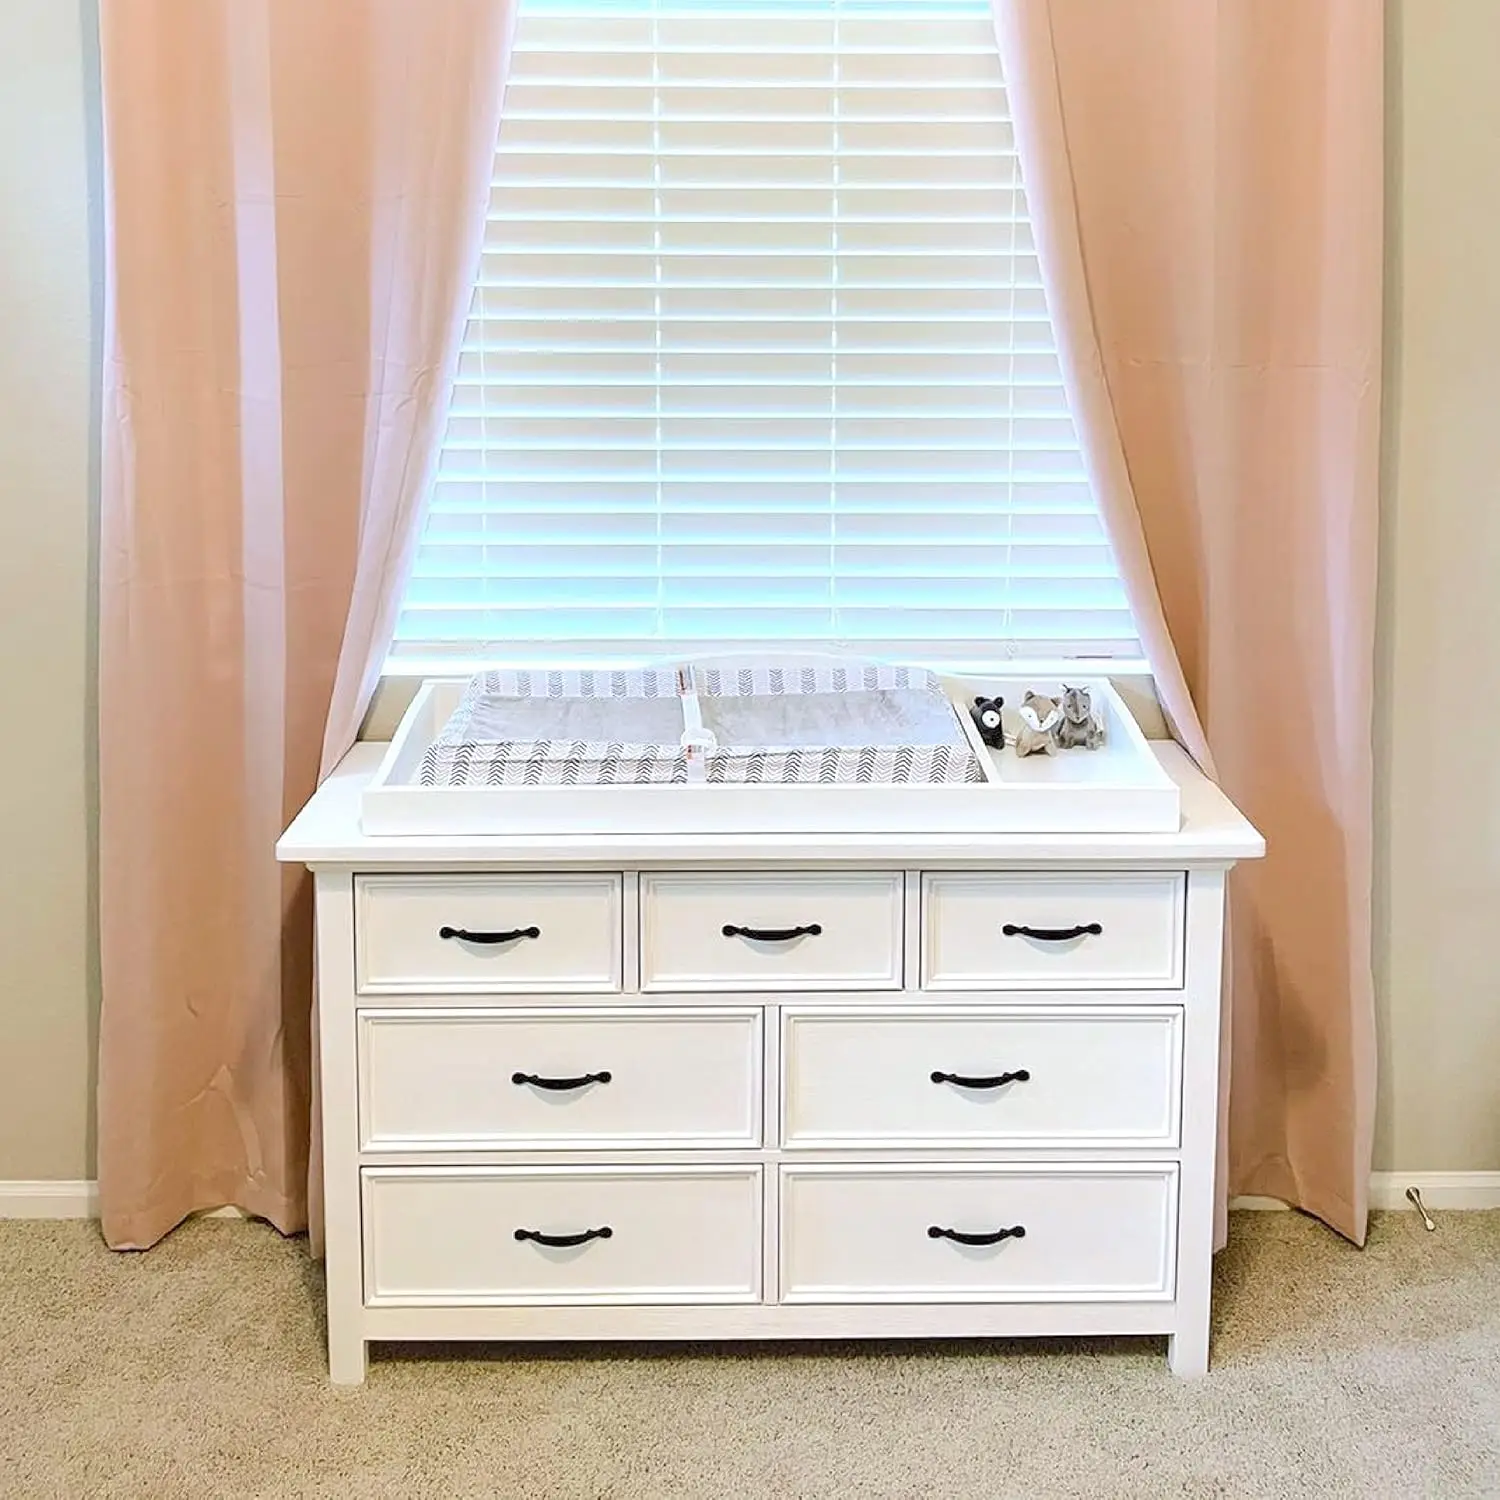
<point>197,1370</point>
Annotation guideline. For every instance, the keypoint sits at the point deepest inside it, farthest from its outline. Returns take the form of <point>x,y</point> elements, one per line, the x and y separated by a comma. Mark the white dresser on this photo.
<point>768,1086</point>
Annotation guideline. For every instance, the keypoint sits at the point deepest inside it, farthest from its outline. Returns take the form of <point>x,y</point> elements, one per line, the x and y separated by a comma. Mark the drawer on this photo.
<point>486,1079</point>
<point>891,1234</point>
<point>469,1235</point>
<point>1105,931</point>
<point>967,1078</point>
<point>772,931</point>
<point>487,933</point>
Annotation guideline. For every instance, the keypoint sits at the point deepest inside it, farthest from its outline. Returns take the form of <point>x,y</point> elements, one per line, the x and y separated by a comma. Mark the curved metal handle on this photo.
<point>463,935</point>
<point>774,934</point>
<point>564,1241</point>
<point>994,1081</point>
<point>1017,1232</point>
<point>1053,934</point>
<point>561,1085</point>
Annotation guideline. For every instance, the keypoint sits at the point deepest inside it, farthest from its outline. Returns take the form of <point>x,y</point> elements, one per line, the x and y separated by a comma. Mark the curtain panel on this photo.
<point>1207,182</point>
<point>295,199</point>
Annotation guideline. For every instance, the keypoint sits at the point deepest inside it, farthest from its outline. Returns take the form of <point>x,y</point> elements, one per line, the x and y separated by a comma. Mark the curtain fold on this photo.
<point>1207,184</point>
<point>295,200</point>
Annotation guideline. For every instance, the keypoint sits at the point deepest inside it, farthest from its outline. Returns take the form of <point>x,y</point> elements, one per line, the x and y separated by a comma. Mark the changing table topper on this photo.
<point>824,744</point>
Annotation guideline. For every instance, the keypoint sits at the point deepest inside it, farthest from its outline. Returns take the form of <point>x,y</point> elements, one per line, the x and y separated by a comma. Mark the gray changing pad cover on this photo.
<point>823,724</point>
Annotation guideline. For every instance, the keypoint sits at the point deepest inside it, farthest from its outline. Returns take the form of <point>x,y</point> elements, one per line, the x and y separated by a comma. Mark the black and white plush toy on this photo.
<point>986,716</point>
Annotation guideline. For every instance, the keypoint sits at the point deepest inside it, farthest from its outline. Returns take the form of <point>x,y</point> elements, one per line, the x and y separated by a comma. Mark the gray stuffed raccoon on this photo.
<point>1078,729</point>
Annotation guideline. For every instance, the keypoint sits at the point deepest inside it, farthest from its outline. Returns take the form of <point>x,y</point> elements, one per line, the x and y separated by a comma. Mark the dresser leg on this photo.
<point>338,1105</point>
<point>1187,1353</point>
<point>1187,1349</point>
<point>347,1362</point>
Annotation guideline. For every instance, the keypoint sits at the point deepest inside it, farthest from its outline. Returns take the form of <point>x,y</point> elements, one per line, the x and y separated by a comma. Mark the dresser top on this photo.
<point>327,833</point>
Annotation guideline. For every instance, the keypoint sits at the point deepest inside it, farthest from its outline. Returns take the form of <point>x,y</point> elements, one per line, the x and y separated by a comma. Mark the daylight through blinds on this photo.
<point>759,354</point>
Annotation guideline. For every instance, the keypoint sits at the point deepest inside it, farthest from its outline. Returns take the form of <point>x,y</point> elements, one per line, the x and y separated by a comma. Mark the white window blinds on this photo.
<point>759,354</point>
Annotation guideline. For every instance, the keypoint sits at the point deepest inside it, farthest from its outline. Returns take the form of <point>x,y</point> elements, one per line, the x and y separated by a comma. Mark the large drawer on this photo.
<point>486,1079</point>
<point>772,931</point>
<point>970,1078</point>
<point>536,1235</point>
<point>451,934</point>
<point>965,1234</point>
<point>1037,931</point>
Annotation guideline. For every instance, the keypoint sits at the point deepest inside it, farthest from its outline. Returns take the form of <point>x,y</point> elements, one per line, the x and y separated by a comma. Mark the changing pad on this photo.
<point>561,728</point>
<point>832,725</point>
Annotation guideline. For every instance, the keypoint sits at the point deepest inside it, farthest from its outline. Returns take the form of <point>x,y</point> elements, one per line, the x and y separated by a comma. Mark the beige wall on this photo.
<point>47,314</point>
<point>1438,733</point>
<point>1438,911</point>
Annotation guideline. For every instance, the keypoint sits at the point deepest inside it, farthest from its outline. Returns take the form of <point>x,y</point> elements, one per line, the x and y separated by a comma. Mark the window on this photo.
<point>759,354</point>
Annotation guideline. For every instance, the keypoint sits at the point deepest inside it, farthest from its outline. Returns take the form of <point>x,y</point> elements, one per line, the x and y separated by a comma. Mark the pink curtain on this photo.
<point>1207,180</point>
<point>296,193</point>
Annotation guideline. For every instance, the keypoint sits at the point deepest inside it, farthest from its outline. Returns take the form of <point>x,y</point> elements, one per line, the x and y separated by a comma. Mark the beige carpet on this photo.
<point>197,1370</point>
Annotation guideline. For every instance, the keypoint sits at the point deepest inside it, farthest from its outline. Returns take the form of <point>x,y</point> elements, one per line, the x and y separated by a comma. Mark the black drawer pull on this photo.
<point>463,935</point>
<point>1053,934</point>
<point>995,1081</point>
<point>774,934</point>
<point>959,1237</point>
<point>561,1085</point>
<point>564,1241</point>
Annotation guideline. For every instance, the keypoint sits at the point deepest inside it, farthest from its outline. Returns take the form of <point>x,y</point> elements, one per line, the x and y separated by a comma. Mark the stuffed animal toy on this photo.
<point>1039,720</point>
<point>986,716</point>
<point>1079,729</point>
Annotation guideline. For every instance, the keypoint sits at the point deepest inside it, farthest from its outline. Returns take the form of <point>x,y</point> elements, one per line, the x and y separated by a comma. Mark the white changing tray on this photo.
<point>1120,788</point>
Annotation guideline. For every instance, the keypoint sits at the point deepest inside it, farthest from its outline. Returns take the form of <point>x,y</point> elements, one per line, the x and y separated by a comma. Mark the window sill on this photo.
<point>400,680</point>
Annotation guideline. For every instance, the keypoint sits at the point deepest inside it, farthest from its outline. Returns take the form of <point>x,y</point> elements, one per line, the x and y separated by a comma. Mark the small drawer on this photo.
<point>487,934</point>
<point>966,1078</point>
<point>474,1236</point>
<point>977,1234</point>
<point>772,931</point>
<point>1036,932</point>
<point>529,1080</point>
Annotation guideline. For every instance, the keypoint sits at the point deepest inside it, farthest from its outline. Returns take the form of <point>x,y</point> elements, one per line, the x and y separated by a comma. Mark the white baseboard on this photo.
<point>1448,1190</point>
<point>68,1200</point>
<point>49,1200</point>
<point>1438,1189</point>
